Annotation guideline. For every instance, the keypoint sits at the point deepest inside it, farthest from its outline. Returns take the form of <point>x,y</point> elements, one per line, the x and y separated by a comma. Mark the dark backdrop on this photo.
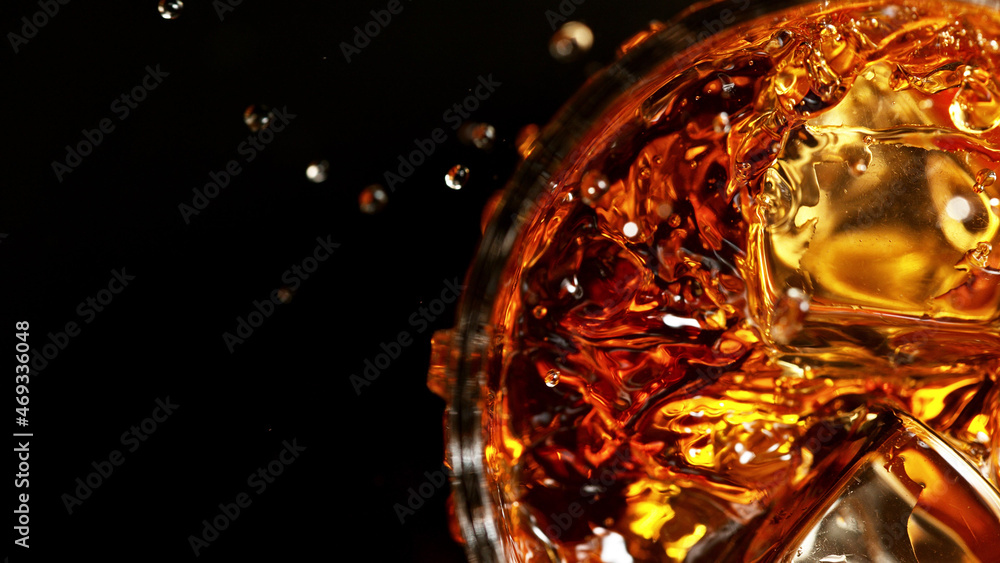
<point>67,233</point>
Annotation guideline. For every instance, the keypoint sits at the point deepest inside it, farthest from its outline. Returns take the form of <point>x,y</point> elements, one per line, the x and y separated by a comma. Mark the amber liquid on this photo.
<point>764,327</point>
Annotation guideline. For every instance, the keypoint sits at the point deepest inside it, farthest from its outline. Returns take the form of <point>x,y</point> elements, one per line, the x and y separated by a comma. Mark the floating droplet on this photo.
<point>630,229</point>
<point>674,220</point>
<point>483,136</point>
<point>593,186</point>
<point>258,117</point>
<point>457,177</point>
<point>317,171</point>
<point>480,135</point>
<point>285,295</point>
<point>720,123</point>
<point>539,312</point>
<point>664,210</point>
<point>526,138</point>
<point>170,9</point>
<point>373,199</point>
<point>789,315</point>
<point>552,378</point>
<point>984,179</point>
<point>571,41</point>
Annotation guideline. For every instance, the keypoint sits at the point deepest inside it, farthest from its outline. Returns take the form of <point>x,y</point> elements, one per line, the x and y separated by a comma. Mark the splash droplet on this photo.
<point>593,186</point>
<point>317,171</point>
<point>720,123</point>
<point>258,117</point>
<point>285,294</point>
<point>526,138</point>
<point>483,136</point>
<point>373,199</point>
<point>984,179</point>
<point>170,9</point>
<point>539,312</point>
<point>552,378</point>
<point>480,135</point>
<point>571,41</point>
<point>457,177</point>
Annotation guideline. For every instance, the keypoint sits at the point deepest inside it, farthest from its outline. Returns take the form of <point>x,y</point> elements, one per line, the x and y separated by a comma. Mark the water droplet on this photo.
<point>457,177</point>
<point>483,136</point>
<point>571,41</point>
<point>869,140</point>
<point>285,294</point>
<point>170,9</point>
<point>539,312</point>
<point>630,229</point>
<point>984,179</point>
<point>552,378</point>
<point>720,123</point>
<point>373,199</point>
<point>317,171</point>
<point>674,221</point>
<point>258,117</point>
<point>593,186</point>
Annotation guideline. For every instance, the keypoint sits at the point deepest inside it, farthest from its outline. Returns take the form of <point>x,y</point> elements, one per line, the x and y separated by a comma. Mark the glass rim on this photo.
<point>468,348</point>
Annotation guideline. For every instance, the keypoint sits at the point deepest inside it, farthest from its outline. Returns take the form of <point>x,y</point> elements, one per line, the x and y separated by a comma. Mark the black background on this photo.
<point>162,336</point>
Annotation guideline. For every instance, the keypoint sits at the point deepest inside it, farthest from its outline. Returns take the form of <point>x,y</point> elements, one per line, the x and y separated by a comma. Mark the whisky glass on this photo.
<point>870,370</point>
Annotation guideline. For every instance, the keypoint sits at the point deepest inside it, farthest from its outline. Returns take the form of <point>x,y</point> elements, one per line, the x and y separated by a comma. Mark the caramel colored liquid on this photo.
<point>764,327</point>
